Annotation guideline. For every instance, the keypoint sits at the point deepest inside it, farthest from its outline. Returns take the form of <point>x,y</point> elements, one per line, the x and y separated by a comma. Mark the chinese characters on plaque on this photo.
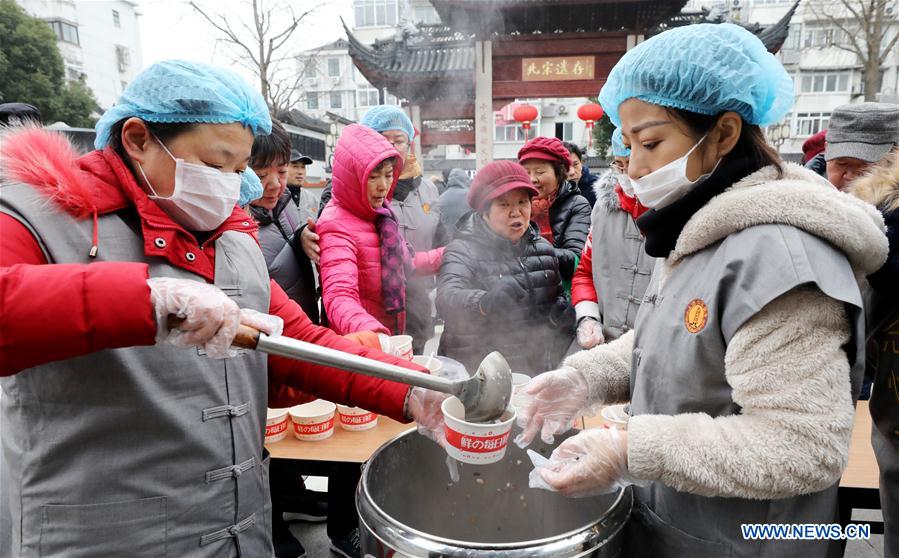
<point>564,68</point>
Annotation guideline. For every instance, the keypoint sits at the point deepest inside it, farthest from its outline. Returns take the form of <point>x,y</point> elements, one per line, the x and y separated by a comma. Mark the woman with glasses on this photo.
<point>614,270</point>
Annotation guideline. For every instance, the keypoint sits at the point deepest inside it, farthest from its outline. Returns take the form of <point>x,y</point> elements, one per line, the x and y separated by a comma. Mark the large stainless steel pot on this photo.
<point>408,507</point>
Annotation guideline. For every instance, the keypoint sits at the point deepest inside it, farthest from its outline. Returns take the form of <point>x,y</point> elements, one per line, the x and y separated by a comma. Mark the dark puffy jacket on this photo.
<point>585,185</point>
<point>287,264</point>
<point>818,164</point>
<point>569,218</point>
<point>531,341</point>
<point>453,203</point>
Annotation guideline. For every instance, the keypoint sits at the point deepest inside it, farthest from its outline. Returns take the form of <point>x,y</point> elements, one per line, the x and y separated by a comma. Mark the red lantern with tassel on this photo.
<point>525,114</point>
<point>590,113</point>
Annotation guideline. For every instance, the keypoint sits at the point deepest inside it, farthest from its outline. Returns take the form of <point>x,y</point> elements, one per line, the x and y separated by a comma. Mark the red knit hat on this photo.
<point>545,149</point>
<point>496,179</point>
<point>813,146</point>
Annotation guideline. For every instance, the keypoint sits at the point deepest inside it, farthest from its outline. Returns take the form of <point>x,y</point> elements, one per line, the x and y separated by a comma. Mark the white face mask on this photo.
<point>625,182</point>
<point>203,198</point>
<point>667,184</point>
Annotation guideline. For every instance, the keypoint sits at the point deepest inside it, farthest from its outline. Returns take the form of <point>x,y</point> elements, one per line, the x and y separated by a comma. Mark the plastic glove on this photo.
<point>590,463</point>
<point>210,317</point>
<point>309,242</point>
<point>273,326</point>
<point>549,404</point>
<point>589,333</point>
<point>504,297</point>
<point>424,405</point>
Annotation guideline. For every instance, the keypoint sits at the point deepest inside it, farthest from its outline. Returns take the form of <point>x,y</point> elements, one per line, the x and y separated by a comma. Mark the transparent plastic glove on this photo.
<point>210,317</point>
<point>589,333</point>
<point>550,403</point>
<point>273,326</point>
<point>424,404</point>
<point>590,463</point>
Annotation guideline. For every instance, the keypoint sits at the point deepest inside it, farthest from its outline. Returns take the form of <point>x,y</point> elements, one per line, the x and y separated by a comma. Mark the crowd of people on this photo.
<point>738,303</point>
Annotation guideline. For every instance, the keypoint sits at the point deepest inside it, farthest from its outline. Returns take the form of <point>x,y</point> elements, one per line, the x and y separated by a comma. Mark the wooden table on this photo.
<point>343,446</point>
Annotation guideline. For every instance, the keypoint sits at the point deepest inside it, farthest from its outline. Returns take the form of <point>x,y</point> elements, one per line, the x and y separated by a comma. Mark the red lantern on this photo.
<point>525,114</point>
<point>590,113</point>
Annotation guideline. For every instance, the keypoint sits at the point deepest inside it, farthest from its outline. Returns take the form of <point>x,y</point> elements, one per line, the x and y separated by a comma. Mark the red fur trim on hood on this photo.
<point>47,161</point>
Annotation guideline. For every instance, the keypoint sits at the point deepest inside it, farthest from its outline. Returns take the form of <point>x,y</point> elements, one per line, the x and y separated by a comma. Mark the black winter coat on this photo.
<point>532,341</point>
<point>569,219</point>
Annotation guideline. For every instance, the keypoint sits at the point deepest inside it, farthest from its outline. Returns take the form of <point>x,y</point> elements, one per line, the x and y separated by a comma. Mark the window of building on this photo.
<point>824,82</point>
<point>819,37</point>
<point>311,147</point>
<point>123,57</point>
<point>334,67</point>
<point>794,37</point>
<point>65,31</point>
<point>565,131</point>
<point>508,132</point>
<point>376,13</point>
<point>425,14</point>
<point>116,20</point>
<point>309,67</point>
<point>336,99</point>
<point>312,101</point>
<point>367,97</point>
<point>810,123</point>
<point>74,74</point>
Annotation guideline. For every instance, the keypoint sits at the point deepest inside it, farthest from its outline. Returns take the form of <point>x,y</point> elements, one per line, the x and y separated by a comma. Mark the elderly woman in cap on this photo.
<point>561,213</point>
<point>747,352</point>
<point>614,271</point>
<point>499,287</point>
<point>130,427</point>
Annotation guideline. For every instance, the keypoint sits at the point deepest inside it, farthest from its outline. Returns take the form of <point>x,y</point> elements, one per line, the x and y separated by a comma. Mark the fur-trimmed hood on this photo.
<point>604,189</point>
<point>800,198</point>
<point>880,187</point>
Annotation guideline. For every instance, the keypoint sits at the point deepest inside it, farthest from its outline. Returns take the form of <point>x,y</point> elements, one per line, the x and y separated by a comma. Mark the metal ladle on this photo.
<point>485,395</point>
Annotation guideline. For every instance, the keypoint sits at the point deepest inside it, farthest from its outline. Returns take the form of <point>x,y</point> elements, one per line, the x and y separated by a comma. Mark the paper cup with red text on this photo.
<point>401,346</point>
<point>478,443</point>
<point>276,422</point>
<point>313,421</point>
<point>356,419</point>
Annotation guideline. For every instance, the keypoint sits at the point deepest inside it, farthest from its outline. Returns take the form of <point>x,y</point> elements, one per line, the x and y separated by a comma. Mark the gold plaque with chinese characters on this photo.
<point>562,68</point>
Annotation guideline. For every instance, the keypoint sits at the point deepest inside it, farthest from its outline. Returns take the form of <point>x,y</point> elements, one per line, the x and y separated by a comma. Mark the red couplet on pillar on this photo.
<point>590,113</point>
<point>525,114</point>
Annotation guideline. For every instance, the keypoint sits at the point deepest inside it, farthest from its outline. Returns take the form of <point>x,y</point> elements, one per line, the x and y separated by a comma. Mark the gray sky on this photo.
<point>171,29</point>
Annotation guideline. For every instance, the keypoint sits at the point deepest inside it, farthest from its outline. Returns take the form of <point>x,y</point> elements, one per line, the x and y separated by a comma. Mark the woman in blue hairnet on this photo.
<point>113,446</point>
<point>746,355</point>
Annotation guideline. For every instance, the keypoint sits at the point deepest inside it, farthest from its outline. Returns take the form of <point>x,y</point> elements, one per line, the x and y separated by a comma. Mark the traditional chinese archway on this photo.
<point>488,53</point>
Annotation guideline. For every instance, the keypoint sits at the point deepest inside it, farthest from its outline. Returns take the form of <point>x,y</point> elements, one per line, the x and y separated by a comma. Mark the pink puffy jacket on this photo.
<point>350,245</point>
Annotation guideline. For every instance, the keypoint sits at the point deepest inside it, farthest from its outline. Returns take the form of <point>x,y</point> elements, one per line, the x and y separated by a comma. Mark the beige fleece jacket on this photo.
<point>786,365</point>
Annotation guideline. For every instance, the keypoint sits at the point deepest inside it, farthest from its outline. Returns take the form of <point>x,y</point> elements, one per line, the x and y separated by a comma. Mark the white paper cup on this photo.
<point>474,442</point>
<point>422,361</point>
<point>313,421</point>
<point>356,419</point>
<point>276,425</point>
<point>616,415</point>
<point>401,346</point>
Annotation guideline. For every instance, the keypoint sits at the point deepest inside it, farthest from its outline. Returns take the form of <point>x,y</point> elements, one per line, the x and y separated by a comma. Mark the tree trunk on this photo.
<point>873,77</point>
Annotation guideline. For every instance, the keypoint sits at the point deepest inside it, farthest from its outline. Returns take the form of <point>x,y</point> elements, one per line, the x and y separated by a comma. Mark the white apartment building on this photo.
<point>98,40</point>
<point>825,75</point>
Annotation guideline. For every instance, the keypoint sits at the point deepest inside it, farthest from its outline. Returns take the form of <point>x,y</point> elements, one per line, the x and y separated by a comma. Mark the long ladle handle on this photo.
<point>250,338</point>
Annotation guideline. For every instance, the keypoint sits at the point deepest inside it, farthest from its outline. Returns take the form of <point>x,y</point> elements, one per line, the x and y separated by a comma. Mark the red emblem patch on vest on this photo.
<point>427,208</point>
<point>696,316</point>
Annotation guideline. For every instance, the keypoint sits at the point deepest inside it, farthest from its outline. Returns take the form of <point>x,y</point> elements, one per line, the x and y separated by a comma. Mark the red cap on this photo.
<point>496,179</point>
<point>545,149</point>
<point>813,146</point>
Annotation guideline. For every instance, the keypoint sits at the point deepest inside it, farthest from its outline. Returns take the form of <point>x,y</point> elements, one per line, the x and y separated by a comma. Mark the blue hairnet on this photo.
<point>250,187</point>
<point>707,69</point>
<point>618,147</point>
<point>388,117</point>
<point>180,91</point>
